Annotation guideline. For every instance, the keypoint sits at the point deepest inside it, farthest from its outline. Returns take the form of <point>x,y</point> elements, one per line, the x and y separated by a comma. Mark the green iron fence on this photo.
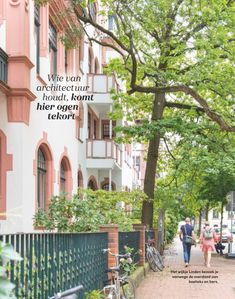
<point>132,240</point>
<point>56,262</point>
<point>3,66</point>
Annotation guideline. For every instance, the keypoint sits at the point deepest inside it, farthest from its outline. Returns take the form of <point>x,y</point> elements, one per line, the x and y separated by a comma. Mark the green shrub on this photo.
<point>88,210</point>
<point>7,253</point>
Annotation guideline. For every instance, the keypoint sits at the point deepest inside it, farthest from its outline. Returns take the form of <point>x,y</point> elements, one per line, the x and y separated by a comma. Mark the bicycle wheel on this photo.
<point>158,259</point>
<point>150,258</point>
<point>128,289</point>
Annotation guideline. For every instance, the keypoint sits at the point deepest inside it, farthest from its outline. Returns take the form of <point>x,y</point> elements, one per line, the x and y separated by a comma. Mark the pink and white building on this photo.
<point>41,157</point>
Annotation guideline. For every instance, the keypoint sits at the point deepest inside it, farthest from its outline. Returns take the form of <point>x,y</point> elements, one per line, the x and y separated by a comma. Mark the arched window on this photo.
<point>92,184</point>
<point>65,176</point>
<point>42,179</point>
<point>44,174</point>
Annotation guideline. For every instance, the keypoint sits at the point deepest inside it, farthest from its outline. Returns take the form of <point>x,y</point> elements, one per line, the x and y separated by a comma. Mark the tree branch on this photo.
<point>188,91</point>
<point>183,106</point>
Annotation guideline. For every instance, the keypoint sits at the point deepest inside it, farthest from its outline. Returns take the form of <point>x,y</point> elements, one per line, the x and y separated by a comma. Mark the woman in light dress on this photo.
<point>207,241</point>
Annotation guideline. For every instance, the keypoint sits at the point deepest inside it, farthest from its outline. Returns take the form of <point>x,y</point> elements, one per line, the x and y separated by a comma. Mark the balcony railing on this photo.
<point>101,83</point>
<point>3,66</point>
<point>103,149</point>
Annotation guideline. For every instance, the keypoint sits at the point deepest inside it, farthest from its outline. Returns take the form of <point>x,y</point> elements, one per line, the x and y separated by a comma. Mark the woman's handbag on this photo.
<point>188,239</point>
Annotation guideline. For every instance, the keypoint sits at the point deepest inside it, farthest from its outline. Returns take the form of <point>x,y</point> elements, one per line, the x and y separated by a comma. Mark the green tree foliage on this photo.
<point>200,169</point>
<point>177,58</point>
<point>176,55</point>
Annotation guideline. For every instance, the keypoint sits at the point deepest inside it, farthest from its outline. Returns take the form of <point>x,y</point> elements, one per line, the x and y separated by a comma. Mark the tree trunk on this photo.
<point>200,222</point>
<point>207,210</point>
<point>152,158</point>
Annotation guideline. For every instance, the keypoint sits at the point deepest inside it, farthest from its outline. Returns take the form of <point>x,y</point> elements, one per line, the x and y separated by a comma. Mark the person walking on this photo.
<point>207,241</point>
<point>188,238</point>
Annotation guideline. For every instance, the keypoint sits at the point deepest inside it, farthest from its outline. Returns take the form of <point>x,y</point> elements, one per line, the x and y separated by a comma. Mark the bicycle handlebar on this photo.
<point>116,254</point>
<point>68,292</point>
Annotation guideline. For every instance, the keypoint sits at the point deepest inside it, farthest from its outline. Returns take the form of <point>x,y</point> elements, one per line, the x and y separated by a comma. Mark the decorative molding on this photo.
<point>18,105</point>
<point>26,5</point>
<point>4,88</point>
<point>20,59</point>
<point>14,2</point>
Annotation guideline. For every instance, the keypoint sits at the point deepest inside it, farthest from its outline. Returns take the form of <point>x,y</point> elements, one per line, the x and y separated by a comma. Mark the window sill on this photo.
<point>41,80</point>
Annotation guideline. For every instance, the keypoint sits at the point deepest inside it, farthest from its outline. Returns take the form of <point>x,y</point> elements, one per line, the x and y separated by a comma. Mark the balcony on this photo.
<point>100,86</point>
<point>103,154</point>
<point>3,66</point>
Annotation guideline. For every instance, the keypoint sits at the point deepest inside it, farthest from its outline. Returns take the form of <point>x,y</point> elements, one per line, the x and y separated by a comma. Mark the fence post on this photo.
<point>141,229</point>
<point>112,230</point>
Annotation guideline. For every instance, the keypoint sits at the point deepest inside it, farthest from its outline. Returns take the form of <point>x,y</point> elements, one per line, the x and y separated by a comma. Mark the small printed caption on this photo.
<point>196,276</point>
<point>61,97</point>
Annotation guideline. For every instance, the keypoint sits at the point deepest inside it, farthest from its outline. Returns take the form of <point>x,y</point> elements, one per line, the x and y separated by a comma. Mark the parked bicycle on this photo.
<point>121,287</point>
<point>153,256</point>
<point>68,294</point>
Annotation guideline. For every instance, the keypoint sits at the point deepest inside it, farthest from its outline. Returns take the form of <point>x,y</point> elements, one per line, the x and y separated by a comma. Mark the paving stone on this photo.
<point>161,285</point>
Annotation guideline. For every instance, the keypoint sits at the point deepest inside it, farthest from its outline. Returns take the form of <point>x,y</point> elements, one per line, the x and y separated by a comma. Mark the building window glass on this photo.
<point>106,130</point>
<point>53,49</point>
<point>111,21</point>
<point>92,11</point>
<point>136,162</point>
<point>37,33</point>
<point>42,171</point>
<point>66,61</point>
<point>89,61</point>
<point>62,178</point>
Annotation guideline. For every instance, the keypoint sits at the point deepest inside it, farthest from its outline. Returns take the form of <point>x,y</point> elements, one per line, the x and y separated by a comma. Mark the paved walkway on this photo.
<point>197,281</point>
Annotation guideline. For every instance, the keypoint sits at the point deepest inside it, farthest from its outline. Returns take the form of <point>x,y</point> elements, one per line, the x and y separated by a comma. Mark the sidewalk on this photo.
<point>196,281</point>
